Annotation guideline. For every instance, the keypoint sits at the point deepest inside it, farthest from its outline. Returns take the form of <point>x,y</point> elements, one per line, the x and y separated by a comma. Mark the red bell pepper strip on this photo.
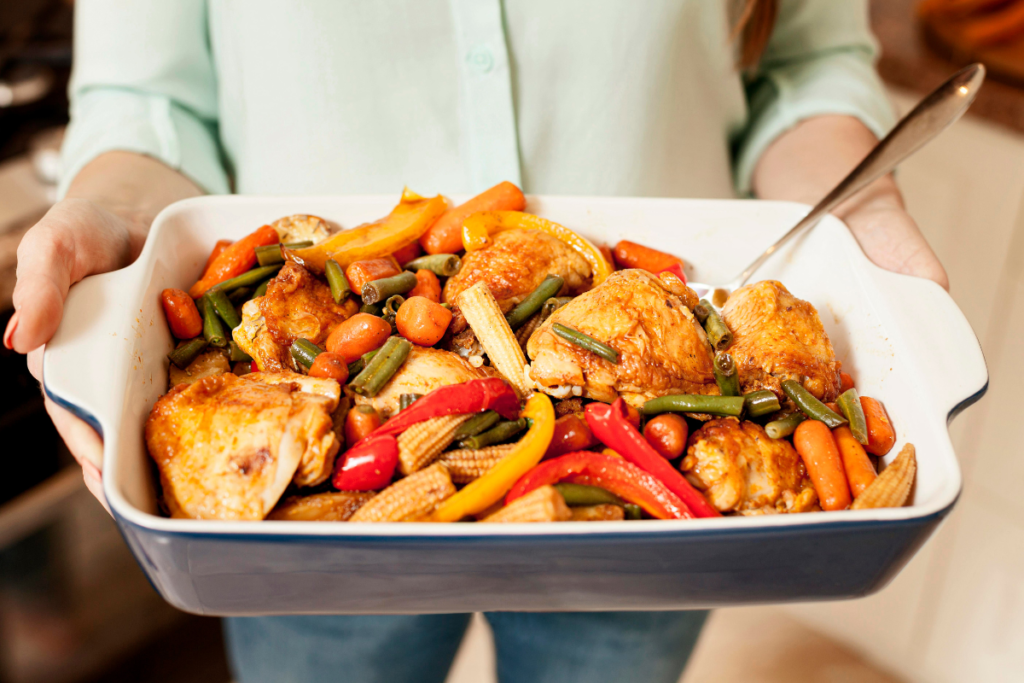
<point>368,466</point>
<point>676,269</point>
<point>474,396</point>
<point>624,479</point>
<point>610,425</point>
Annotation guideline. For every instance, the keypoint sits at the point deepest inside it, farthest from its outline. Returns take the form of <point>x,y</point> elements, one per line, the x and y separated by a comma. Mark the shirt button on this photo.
<point>481,58</point>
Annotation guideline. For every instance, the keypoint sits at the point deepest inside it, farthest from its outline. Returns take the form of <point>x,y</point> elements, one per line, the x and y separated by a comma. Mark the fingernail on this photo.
<point>12,325</point>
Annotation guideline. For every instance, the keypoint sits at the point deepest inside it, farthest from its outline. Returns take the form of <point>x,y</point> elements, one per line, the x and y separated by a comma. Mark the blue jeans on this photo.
<point>589,647</point>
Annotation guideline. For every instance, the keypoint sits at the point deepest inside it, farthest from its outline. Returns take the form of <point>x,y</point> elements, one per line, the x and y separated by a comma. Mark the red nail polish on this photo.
<point>12,325</point>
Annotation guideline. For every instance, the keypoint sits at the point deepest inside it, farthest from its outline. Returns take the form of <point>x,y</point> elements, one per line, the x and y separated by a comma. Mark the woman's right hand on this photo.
<point>74,239</point>
<point>100,227</point>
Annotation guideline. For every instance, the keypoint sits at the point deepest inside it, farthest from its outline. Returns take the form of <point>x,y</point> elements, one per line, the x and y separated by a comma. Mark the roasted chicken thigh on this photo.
<point>296,305</point>
<point>648,320</point>
<point>227,447</point>
<point>740,469</point>
<point>513,265</point>
<point>777,336</point>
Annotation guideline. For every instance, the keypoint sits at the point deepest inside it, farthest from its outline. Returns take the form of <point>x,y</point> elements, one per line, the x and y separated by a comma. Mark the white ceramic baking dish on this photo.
<point>903,339</point>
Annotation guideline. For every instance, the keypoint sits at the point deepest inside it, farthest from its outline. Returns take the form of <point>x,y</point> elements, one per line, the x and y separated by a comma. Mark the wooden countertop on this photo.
<point>908,62</point>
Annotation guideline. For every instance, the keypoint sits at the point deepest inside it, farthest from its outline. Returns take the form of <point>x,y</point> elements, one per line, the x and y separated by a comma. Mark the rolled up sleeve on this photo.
<point>819,61</point>
<point>144,82</point>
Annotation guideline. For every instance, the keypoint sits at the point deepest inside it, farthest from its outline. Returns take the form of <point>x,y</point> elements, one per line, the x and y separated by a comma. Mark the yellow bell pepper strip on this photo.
<point>484,492</point>
<point>478,228</point>
<point>404,225</point>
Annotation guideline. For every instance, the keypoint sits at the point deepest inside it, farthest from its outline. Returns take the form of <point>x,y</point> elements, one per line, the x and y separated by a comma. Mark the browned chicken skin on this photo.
<point>648,320</point>
<point>423,371</point>
<point>778,336</point>
<point>740,469</point>
<point>320,507</point>
<point>227,447</point>
<point>513,265</point>
<point>297,304</point>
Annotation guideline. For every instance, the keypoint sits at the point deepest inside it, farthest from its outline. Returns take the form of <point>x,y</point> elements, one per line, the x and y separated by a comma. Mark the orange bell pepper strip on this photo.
<point>484,492</point>
<point>234,260</point>
<point>478,228</point>
<point>404,225</point>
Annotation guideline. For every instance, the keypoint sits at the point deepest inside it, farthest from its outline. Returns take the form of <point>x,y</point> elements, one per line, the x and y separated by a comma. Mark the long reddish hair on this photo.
<point>753,28</point>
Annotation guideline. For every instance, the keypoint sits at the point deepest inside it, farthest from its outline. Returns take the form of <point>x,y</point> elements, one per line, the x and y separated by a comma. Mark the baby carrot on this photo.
<point>427,285</point>
<point>818,450</point>
<point>182,314</point>
<point>329,366</point>
<point>881,436</point>
<point>667,434</point>
<point>234,260</point>
<point>217,250</point>
<point>445,236</point>
<point>859,470</point>
<point>358,335</point>
<point>845,382</point>
<point>359,423</point>
<point>633,255</point>
<point>606,251</point>
<point>361,272</point>
<point>422,321</point>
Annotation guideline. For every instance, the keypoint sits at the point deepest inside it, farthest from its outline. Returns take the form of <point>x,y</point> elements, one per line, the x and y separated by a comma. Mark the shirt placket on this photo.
<point>488,112</point>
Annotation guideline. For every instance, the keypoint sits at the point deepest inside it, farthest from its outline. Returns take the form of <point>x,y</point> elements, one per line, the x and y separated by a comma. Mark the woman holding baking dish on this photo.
<point>676,98</point>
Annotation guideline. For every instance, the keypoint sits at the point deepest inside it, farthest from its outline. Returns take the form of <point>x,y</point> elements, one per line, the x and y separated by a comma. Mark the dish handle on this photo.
<point>81,372</point>
<point>947,350</point>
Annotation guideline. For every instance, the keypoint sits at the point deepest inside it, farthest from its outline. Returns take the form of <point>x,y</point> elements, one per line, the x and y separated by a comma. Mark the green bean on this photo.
<point>392,305</point>
<point>633,511</point>
<point>501,432</point>
<point>381,367</point>
<point>811,407</point>
<point>447,306</point>
<point>213,330</point>
<point>187,352</point>
<point>700,312</point>
<point>780,429</point>
<point>376,291</point>
<point>518,316</point>
<point>225,309</point>
<point>262,289</point>
<point>761,403</point>
<point>372,310</point>
<point>249,278</point>
<point>718,332</point>
<point>581,494</point>
<point>443,265</point>
<point>406,400</point>
<point>337,280</point>
<point>587,342</point>
<point>725,406</point>
<point>304,352</point>
<point>240,295</point>
<point>553,304</point>
<point>477,424</point>
<point>270,254</point>
<point>849,406</point>
<point>356,366</point>
<point>725,375</point>
<point>236,354</point>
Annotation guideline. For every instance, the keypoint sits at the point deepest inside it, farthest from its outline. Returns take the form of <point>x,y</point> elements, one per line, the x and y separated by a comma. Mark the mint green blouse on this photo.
<point>606,97</point>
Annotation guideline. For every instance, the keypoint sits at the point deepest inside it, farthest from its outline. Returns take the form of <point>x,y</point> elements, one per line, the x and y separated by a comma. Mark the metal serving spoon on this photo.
<point>931,116</point>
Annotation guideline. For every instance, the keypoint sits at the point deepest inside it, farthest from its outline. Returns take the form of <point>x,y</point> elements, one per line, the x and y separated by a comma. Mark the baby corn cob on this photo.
<point>528,328</point>
<point>420,445</point>
<point>466,464</point>
<point>598,513</point>
<point>544,504</point>
<point>408,499</point>
<point>483,315</point>
<point>892,488</point>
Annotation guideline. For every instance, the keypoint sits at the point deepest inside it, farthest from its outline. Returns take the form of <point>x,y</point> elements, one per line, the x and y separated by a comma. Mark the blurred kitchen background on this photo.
<point>75,607</point>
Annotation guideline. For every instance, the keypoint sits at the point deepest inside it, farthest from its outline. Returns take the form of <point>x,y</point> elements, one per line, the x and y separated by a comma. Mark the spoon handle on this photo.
<point>931,116</point>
